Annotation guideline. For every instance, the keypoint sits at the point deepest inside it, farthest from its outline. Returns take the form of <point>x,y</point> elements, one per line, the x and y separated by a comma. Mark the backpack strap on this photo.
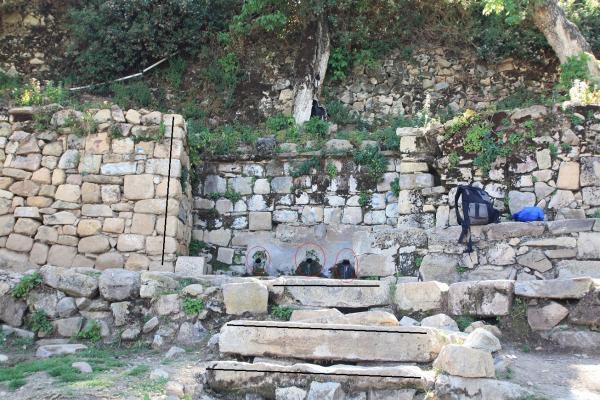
<point>465,221</point>
<point>459,192</point>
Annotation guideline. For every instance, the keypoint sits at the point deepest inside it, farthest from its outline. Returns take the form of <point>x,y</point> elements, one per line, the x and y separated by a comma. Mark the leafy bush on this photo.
<point>371,157</point>
<point>279,122</point>
<point>522,97</point>
<point>474,138</point>
<point>364,199</point>
<point>113,38</point>
<point>196,247</point>
<point>574,68</point>
<point>91,331</point>
<point>33,93</point>
<point>316,127</point>
<point>388,138</point>
<point>40,323</point>
<point>192,306</point>
<point>339,113</point>
<point>132,95</point>
<point>453,159</point>
<point>232,195</point>
<point>395,187</point>
<point>331,170</point>
<point>26,284</point>
<point>305,167</point>
<point>282,312</point>
<point>175,72</point>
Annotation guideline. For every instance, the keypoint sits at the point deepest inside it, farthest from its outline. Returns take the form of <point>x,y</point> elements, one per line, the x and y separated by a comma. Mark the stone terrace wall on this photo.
<point>91,201</point>
<point>281,212</point>
<point>452,80</point>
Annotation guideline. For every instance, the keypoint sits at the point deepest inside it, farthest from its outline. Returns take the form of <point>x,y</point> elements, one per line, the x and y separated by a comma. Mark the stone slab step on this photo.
<point>264,378</point>
<point>316,341</point>
<point>329,293</point>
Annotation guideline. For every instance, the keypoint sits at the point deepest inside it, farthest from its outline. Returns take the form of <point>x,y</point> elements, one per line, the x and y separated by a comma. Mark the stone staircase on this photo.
<point>364,354</point>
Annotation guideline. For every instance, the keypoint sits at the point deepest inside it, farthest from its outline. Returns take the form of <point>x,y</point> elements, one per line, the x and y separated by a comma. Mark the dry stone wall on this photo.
<point>453,80</point>
<point>88,189</point>
<point>275,208</point>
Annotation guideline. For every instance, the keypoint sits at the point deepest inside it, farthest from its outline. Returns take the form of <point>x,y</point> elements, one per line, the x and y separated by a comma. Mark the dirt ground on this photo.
<point>551,375</point>
<point>556,375</point>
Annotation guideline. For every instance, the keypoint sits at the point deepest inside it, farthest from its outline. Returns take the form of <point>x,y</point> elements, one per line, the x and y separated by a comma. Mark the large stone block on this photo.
<point>575,288</point>
<point>119,284</point>
<point>481,298</point>
<point>440,267</point>
<point>376,265</point>
<point>588,246</point>
<point>590,171</point>
<point>62,256</point>
<point>329,341</point>
<point>138,187</point>
<point>574,268</point>
<point>251,297</point>
<point>420,296</point>
<point>190,266</point>
<point>568,176</point>
<point>260,221</point>
<point>466,362</point>
<point>69,281</point>
<point>546,317</point>
<point>93,244</point>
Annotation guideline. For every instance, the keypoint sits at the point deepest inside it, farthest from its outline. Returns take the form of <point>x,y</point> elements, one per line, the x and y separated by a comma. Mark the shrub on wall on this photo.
<point>116,37</point>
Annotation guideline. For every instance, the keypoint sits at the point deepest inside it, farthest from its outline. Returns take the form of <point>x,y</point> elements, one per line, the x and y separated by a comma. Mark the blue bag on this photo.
<point>528,214</point>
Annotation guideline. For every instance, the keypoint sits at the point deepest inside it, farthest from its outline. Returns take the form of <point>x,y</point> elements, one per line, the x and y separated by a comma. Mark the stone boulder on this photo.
<point>456,387</point>
<point>12,310</point>
<point>58,349</point>
<point>482,339</point>
<point>440,321</point>
<point>466,362</point>
<point>244,297</point>
<point>69,281</point>
<point>482,298</point>
<point>574,288</point>
<point>546,317</point>
<point>119,284</point>
<point>325,391</point>
<point>420,296</point>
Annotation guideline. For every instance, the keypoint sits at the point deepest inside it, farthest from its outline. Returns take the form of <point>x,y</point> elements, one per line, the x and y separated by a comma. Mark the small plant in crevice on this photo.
<point>395,187</point>
<point>305,167</point>
<point>232,195</point>
<point>418,262</point>
<point>371,157</point>
<point>196,247</point>
<point>461,269</point>
<point>331,170</point>
<point>596,214</point>
<point>40,323</point>
<point>26,284</point>
<point>566,147</point>
<point>453,159</point>
<point>316,128</point>
<point>282,312</point>
<point>192,306</point>
<point>364,199</point>
<point>553,150</point>
<point>463,321</point>
<point>91,331</point>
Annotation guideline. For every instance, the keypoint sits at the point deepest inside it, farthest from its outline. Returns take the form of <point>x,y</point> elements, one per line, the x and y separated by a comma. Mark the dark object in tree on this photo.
<point>318,111</point>
<point>343,270</point>
<point>310,267</point>
<point>477,208</point>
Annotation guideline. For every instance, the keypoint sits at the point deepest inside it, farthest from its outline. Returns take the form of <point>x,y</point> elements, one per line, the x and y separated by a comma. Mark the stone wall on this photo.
<point>280,211</point>
<point>453,79</point>
<point>88,189</point>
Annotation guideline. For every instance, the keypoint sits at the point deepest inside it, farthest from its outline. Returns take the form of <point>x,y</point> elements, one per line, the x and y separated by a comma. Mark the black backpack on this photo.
<point>477,208</point>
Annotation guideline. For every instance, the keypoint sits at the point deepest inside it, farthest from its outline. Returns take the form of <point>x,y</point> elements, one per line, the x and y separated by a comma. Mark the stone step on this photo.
<point>316,341</point>
<point>330,293</point>
<point>264,378</point>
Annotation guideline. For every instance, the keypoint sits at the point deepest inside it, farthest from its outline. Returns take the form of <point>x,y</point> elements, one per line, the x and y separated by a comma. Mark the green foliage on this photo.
<point>331,170</point>
<point>474,138</point>
<point>132,95</point>
<point>463,321</point>
<point>453,159</point>
<point>459,123</point>
<point>232,195</point>
<point>339,62</point>
<point>574,68</point>
<point>316,128</point>
<point>91,331</point>
<point>586,15</point>
<point>192,306</point>
<point>138,370</point>
<point>175,72</point>
<point>387,138</point>
<point>113,38</point>
<point>82,127</point>
<point>364,199</point>
<point>305,167</point>
<point>196,247</point>
<point>279,122</point>
<point>522,97</point>
<point>371,157</point>
<point>219,141</point>
<point>566,147</point>
<point>40,323</point>
<point>395,187</point>
<point>33,93</point>
<point>26,284</point>
<point>282,312</point>
<point>339,113</point>
<point>418,262</point>
<point>596,214</point>
<point>553,150</point>
<point>60,367</point>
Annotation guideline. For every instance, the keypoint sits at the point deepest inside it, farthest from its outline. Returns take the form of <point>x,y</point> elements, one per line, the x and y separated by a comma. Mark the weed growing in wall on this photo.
<point>91,331</point>
<point>395,187</point>
<point>282,312</point>
<point>40,323</point>
<point>364,199</point>
<point>196,247</point>
<point>26,284</point>
<point>371,157</point>
<point>305,167</point>
<point>192,306</point>
<point>331,170</point>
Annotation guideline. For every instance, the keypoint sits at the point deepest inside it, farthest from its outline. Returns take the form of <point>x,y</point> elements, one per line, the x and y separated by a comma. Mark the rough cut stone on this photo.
<point>574,288</point>
<point>573,268</point>
<point>440,321</point>
<point>440,267</point>
<point>325,391</point>
<point>466,362</point>
<point>328,341</point>
<point>536,260</point>
<point>507,230</point>
<point>482,298</point>
<point>483,339</point>
<point>519,200</point>
<point>58,349</point>
<point>138,187</point>
<point>71,282</point>
<point>546,317</point>
<point>568,176</point>
<point>244,297</point>
<point>420,296</point>
<point>456,387</point>
<point>12,310</point>
<point>119,284</point>
<point>588,246</point>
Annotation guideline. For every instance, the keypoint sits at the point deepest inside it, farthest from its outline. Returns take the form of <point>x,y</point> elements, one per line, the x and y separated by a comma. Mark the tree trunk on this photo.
<point>563,36</point>
<point>311,66</point>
